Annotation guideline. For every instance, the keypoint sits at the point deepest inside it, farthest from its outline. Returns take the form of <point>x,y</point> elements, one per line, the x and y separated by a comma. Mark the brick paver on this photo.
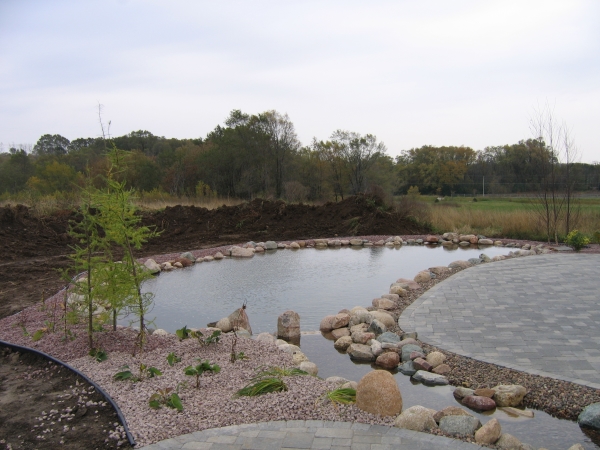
<point>311,434</point>
<point>538,314</point>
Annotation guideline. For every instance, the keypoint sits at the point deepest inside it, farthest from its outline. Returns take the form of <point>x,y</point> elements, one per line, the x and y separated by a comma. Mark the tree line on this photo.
<point>260,155</point>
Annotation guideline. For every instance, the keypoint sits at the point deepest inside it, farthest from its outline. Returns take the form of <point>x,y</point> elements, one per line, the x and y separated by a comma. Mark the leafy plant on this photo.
<point>214,338</point>
<point>198,370</point>
<point>577,240</point>
<point>345,396</point>
<point>262,386</point>
<point>98,354</point>
<point>125,374</point>
<point>238,356</point>
<point>597,237</point>
<point>38,334</point>
<point>172,358</point>
<point>183,333</point>
<point>269,380</point>
<point>166,397</point>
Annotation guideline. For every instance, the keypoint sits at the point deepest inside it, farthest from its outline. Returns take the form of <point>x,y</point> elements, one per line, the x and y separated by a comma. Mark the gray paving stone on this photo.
<point>537,314</point>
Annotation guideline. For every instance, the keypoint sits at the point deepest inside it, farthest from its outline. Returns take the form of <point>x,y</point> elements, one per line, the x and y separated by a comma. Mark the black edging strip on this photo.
<point>72,369</point>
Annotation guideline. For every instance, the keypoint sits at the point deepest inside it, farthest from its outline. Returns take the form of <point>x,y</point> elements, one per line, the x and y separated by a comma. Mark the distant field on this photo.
<point>504,217</point>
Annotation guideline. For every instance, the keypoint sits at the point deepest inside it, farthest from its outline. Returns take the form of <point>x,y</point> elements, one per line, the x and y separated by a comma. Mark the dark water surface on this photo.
<point>315,283</point>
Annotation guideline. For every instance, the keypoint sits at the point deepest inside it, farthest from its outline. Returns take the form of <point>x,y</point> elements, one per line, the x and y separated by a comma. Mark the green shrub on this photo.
<point>577,240</point>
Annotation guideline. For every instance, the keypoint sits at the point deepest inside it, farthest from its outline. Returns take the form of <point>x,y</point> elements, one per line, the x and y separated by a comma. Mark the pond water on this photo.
<point>312,282</point>
<point>315,283</point>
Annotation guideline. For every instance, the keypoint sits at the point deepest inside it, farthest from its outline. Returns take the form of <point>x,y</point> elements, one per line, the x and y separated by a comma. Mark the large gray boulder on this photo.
<point>288,326</point>
<point>460,425</point>
<point>271,245</point>
<point>590,416</point>
<point>152,266</point>
<point>408,349</point>
<point>430,378</point>
<point>360,352</point>
<point>239,252</point>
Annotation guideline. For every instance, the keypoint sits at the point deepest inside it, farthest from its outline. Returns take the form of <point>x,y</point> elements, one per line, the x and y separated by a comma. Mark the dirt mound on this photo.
<point>261,220</point>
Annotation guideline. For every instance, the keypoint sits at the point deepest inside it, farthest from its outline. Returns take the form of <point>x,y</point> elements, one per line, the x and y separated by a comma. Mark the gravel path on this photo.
<point>212,405</point>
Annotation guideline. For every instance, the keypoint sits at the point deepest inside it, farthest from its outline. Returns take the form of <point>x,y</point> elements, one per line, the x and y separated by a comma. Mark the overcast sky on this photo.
<point>411,72</point>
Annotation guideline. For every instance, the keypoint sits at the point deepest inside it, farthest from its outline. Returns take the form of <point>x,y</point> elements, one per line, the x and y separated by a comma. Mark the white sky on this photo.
<point>411,72</point>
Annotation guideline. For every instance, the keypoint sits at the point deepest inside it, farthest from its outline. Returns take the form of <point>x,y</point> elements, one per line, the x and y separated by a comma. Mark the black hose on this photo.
<point>72,369</point>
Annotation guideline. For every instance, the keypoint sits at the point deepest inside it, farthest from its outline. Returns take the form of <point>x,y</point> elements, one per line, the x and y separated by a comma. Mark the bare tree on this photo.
<point>555,202</point>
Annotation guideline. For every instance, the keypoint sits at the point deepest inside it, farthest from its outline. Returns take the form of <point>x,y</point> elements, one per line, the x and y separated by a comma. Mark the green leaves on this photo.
<point>125,374</point>
<point>172,358</point>
<point>198,370</point>
<point>164,397</point>
<point>269,380</point>
<point>98,354</point>
<point>183,333</point>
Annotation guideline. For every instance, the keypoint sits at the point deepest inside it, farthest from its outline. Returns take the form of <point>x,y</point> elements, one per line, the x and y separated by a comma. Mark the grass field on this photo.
<point>517,218</point>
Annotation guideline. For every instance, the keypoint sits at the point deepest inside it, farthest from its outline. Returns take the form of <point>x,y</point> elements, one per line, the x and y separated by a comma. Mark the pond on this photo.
<point>315,283</point>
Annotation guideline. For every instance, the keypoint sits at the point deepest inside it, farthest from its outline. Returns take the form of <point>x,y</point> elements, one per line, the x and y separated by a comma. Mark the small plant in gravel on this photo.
<point>269,380</point>
<point>199,369</point>
<point>340,396</point>
<point>238,356</point>
<point>166,397</point>
<point>172,359</point>
<point>214,338</point>
<point>145,371</point>
<point>183,333</point>
<point>577,240</point>
<point>98,354</point>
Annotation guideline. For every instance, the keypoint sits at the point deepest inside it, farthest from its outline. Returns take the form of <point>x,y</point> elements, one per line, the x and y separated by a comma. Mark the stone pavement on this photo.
<point>311,434</point>
<point>538,314</point>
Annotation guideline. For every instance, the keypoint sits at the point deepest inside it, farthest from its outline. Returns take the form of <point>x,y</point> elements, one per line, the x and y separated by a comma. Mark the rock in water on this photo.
<point>489,433</point>
<point>239,319</point>
<point>288,326</point>
<point>590,416</point>
<point>378,393</point>
<point>509,394</point>
<point>152,266</point>
<point>460,425</point>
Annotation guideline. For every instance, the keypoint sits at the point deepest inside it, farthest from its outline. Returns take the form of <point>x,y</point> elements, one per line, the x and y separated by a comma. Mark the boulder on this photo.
<point>408,349</point>
<point>383,303</point>
<point>336,380</point>
<point>475,261</point>
<point>356,242</point>
<point>408,340</point>
<point>218,256</point>
<point>299,357</point>
<point>360,352</point>
<point>508,442</point>
<point>460,264</point>
<point>359,337</point>
<point>266,337</point>
<point>384,318</point>
<point>259,249</point>
<point>410,284</point>
<point>388,336</point>
<point>516,412</point>
<point>340,332</point>
<point>489,433</point>
<point>479,403</point>
<point>288,326</point>
<point>423,276</point>
<point>432,239</point>
<point>509,394</point>
<point>459,425</point>
<point>360,328</point>
<point>461,392</point>
<point>430,378</point>
<point>178,265</point>
<point>152,266</point>
<point>160,332</point>
<point>416,418</point>
<point>309,367</point>
<point>376,347</point>
<point>377,327</point>
<point>450,411</point>
<point>343,343</point>
<point>439,270</point>
<point>466,237</point>
<point>224,325</point>
<point>294,246</point>
<point>167,265</point>
<point>590,417</point>
<point>421,364</point>
<point>415,355</point>
<point>378,393</point>
<point>483,392</point>
<point>398,290</point>
<point>388,360</point>
<point>359,316</point>
<point>239,252</point>
<point>340,320</point>
<point>442,369</point>
<point>407,368</point>
<point>435,359</point>
<point>188,255</point>
<point>325,325</point>
<point>270,245</point>
<point>349,385</point>
<point>239,319</point>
